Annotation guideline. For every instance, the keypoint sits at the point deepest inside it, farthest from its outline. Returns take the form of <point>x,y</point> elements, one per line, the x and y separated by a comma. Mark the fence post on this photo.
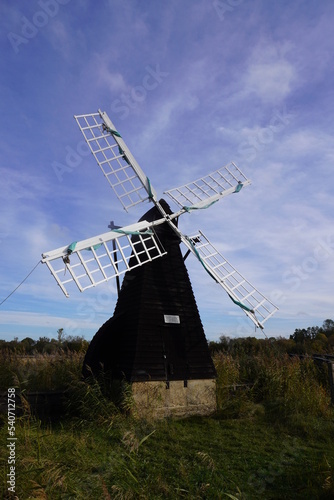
<point>331,380</point>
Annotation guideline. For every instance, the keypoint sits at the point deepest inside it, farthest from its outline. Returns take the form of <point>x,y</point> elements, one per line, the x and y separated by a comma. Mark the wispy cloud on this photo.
<point>270,75</point>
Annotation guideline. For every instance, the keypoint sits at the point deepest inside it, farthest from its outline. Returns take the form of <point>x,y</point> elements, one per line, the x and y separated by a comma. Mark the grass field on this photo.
<point>272,439</point>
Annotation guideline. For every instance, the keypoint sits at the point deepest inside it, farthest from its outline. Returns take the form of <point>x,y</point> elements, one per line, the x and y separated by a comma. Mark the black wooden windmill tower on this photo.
<point>155,339</point>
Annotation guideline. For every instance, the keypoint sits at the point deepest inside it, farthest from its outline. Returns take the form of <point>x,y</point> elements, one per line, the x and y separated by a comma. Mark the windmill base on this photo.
<point>176,398</point>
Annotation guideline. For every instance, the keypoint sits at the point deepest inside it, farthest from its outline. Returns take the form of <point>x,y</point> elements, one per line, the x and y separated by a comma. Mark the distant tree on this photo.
<point>328,327</point>
<point>314,339</point>
<point>224,342</point>
<point>14,345</point>
<point>28,345</point>
<point>75,344</point>
<point>320,344</point>
<point>60,335</point>
<point>46,345</point>
<point>284,345</point>
<point>331,340</point>
<point>303,335</point>
<point>214,346</point>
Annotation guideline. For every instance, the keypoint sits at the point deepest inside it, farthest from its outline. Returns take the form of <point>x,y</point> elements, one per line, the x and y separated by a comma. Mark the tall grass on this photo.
<point>291,386</point>
<point>41,372</point>
<point>284,387</point>
<point>266,381</point>
<point>98,451</point>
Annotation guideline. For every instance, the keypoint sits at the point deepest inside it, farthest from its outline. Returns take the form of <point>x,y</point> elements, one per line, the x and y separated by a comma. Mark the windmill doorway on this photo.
<point>174,352</point>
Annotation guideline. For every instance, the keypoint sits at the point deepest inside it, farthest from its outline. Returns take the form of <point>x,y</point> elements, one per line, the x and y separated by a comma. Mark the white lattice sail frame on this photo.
<point>89,262</point>
<point>207,190</point>
<point>118,165</point>
<point>257,307</point>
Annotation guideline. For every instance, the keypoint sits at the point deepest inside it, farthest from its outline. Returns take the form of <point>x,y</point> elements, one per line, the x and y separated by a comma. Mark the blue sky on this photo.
<point>191,86</point>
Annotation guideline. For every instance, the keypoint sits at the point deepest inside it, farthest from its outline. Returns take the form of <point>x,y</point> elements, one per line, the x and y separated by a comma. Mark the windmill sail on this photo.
<point>257,307</point>
<point>205,191</point>
<point>120,168</point>
<point>89,262</point>
<point>96,260</point>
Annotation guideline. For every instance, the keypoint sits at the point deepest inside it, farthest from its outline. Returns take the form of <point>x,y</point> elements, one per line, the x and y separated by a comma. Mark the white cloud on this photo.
<point>271,81</point>
<point>270,75</point>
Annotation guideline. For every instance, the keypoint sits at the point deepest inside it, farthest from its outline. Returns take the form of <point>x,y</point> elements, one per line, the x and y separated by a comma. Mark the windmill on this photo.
<point>155,339</point>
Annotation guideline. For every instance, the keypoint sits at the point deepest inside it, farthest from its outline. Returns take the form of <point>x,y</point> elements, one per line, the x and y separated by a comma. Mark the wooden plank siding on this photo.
<point>137,343</point>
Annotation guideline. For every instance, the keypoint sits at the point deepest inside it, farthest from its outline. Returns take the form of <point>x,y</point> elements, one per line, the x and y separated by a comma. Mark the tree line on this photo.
<point>311,340</point>
<point>46,345</point>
